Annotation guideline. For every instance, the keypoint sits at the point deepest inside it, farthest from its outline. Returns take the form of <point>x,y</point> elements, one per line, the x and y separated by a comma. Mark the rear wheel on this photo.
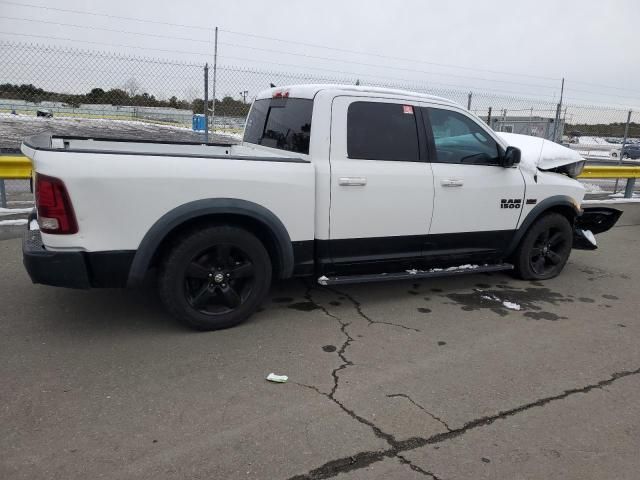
<point>215,278</point>
<point>545,248</point>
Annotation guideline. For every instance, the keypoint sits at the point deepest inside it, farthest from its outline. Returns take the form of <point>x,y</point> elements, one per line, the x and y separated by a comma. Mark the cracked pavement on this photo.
<point>406,380</point>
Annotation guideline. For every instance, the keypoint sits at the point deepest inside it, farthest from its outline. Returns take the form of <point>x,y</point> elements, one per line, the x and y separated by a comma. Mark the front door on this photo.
<point>477,202</point>
<point>381,184</point>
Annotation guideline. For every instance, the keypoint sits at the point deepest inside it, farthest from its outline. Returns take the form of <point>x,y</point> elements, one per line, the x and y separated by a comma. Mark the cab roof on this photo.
<point>310,91</point>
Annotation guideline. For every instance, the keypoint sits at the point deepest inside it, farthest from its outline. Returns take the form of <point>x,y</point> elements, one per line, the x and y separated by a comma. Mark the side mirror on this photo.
<point>511,157</point>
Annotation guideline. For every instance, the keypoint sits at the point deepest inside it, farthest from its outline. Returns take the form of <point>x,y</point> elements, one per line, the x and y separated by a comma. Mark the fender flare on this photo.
<point>199,208</point>
<point>539,210</point>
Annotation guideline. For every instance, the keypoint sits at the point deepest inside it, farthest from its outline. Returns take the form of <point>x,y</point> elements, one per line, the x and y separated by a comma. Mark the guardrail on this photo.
<point>19,167</point>
<point>614,171</point>
<point>12,167</point>
<point>15,167</point>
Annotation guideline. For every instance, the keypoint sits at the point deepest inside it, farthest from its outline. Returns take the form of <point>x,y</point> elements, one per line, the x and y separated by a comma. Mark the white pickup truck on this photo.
<point>341,183</point>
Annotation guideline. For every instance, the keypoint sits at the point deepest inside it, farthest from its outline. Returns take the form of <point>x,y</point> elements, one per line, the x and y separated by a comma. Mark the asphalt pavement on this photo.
<point>474,377</point>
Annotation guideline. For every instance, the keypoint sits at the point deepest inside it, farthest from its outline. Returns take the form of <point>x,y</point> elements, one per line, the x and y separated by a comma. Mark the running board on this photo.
<point>413,274</point>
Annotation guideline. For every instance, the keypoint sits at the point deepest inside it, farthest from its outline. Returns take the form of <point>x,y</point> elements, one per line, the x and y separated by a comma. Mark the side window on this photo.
<point>382,131</point>
<point>283,123</point>
<point>458,139</point>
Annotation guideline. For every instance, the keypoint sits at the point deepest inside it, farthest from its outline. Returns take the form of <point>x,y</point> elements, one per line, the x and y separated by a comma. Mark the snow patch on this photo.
<point>635,199</point>
<point>494,298</point>
<point>592,188</point>
<point>621,195</point>
<point>490,297</point>
<point>467,266</point>
<point>34,225</point>
<point>323,280</point>
<point>14,211</point>
<point>22,221</point>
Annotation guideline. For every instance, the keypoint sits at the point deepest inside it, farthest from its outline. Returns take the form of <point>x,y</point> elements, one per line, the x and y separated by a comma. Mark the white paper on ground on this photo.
<point>511,305</point>
<point>272,377</point>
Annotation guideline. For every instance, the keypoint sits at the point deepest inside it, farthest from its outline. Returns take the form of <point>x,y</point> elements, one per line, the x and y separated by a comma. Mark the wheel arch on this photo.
<point>562,204</point>
<point>255,218</point>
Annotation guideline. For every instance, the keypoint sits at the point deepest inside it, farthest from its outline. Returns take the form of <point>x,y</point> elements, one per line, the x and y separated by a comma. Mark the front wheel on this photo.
<point>545,248</point>
<point>215,277</point>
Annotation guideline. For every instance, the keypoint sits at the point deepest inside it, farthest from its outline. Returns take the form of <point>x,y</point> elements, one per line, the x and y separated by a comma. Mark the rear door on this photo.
<point>381,182</point>
<point>477,201</point>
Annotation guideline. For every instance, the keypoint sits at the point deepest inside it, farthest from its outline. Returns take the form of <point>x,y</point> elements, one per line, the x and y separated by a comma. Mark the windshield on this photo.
<point>283,123</point>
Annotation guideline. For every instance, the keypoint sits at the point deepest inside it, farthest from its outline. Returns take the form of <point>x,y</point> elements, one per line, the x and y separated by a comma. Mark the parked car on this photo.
<point>44,113</point>
<point>631,150</point>
<point>339,183</point>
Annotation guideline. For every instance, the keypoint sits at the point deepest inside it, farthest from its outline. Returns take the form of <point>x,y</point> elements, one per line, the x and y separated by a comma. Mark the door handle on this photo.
<point>352,181</point>
<point>452,182</point>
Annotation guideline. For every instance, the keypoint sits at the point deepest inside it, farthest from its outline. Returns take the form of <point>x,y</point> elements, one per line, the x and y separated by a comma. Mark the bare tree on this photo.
<point>131,86</point>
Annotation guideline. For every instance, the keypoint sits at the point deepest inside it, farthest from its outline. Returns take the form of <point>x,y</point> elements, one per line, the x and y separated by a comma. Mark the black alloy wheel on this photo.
<point>219,279</point>
<point>215,277</point>
<point>549,249</point>
<point>545,248</point>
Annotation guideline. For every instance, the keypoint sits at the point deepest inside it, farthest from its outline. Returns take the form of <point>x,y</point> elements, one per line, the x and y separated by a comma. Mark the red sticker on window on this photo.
<point>407,109</point>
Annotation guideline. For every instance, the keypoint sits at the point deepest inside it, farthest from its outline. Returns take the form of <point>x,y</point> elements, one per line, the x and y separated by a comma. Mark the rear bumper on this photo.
<point>59,269</point>
<point>74,269</point>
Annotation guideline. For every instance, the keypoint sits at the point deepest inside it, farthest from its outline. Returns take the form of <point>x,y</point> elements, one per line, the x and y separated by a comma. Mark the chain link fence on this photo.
<point>90,92</point>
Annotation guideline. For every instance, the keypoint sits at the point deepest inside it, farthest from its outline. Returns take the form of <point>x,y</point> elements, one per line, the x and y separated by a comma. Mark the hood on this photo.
<point>538,153</point>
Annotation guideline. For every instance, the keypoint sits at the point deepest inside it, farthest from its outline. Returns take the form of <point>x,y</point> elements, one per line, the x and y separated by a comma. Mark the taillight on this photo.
<point>55,212</point>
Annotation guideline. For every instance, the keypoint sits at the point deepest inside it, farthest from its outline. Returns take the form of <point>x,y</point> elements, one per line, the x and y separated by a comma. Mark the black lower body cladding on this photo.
<point>74,269</point>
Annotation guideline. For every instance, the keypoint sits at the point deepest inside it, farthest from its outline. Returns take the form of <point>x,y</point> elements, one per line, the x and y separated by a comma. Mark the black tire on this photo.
<point>215,278</point>
<point>545,248</point>
<point>625,156</point>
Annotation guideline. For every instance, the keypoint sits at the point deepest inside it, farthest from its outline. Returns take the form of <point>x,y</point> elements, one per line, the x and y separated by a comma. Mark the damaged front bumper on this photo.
<point>593,221</point>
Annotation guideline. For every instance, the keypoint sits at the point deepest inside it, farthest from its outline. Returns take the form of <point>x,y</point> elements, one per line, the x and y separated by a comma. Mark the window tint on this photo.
<point>382,131</point>
<point>283,123</point>
<point>459,139</point>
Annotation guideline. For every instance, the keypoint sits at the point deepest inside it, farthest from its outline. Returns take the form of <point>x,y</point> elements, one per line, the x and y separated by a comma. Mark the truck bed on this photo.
<point>119,189</point>
<point>46,141</point>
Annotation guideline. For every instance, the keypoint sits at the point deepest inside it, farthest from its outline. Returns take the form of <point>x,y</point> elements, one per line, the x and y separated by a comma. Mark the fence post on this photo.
<point>469,100</point>
<point>624,141</point>
<point>489,118</point>
<point>558,111</point>
<point>3,194</point>
<point>215,78</point>
<point>628,190</point>
<point>205,109</point>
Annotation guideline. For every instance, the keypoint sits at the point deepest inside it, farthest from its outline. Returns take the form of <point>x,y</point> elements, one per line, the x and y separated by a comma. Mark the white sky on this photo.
<point>533,44</point>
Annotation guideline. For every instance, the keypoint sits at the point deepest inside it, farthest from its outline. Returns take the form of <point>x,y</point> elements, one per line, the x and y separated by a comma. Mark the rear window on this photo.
<point>382,131</point>
<point>283,123</point>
